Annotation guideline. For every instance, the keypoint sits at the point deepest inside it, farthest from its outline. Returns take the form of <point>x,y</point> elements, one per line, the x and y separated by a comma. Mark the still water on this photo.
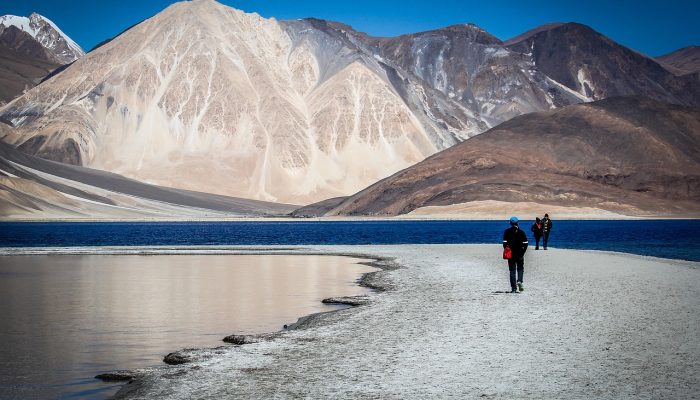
<point>64,319</point>
<point>660,238</point>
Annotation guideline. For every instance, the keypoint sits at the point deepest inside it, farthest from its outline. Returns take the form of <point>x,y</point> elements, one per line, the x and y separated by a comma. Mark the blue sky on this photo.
<point>651,27</point>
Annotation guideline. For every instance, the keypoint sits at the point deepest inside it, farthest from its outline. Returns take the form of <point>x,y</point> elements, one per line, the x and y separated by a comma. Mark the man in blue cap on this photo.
<point>516,240</point>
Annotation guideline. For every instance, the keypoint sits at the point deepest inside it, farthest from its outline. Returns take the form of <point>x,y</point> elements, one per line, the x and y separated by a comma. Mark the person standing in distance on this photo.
<point>537,231</point>
<point>516,240</point>
<point>546,229</point>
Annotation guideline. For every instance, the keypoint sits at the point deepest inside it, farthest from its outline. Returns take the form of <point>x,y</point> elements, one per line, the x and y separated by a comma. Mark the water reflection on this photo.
<point>65,318</point>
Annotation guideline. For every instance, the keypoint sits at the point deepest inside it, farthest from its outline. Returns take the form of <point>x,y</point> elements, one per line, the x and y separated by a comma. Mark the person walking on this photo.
<point>537,231</point>
<point>546,230</point>
<point>515,239</point>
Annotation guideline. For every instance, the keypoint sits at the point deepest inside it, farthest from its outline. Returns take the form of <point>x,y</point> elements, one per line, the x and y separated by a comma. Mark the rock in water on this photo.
<point>176,358</point>
<point>240,340</point>
<point>347,300</point>
<point>116,376</point>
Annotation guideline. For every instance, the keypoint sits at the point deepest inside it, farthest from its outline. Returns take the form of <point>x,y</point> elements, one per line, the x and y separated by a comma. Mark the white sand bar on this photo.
<point>589,325</point>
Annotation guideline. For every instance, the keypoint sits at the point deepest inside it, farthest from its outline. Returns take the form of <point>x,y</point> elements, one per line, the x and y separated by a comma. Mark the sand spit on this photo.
<point>589,325</point>
<point>492,209</point>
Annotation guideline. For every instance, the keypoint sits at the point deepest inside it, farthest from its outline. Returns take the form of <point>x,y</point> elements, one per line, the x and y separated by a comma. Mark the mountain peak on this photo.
<point>683,61</point>
<point>534,31</point>
<point>470,31</point>
<point>560,27</point>
<point>63,49</point>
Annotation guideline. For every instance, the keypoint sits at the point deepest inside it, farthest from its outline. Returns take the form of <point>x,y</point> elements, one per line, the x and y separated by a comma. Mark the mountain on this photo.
<point>60,48</point>
<point>32,188</point>
<point>532,32</point>
<point>205,97</point>
<point>22,63</point>
<point>596,67</point>
<point>682,61</point>
<point>627,155</point>
<point>30,49</point>
<point>459,80</point>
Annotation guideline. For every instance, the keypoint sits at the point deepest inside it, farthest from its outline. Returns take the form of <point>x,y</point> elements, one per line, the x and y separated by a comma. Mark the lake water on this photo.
<point>64,319</point>
<point>678,239</point>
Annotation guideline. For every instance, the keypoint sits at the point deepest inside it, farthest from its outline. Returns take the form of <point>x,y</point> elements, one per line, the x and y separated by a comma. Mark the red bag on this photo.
<point>507,254</point>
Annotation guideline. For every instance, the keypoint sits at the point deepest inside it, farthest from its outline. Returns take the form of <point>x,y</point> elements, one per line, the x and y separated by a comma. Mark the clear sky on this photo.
<point>651,27</point>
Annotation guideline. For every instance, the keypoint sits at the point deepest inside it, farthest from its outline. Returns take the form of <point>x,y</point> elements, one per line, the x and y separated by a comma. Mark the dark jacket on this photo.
<point>546,224</point>
<point>537,229</point>
<point>516,239</point>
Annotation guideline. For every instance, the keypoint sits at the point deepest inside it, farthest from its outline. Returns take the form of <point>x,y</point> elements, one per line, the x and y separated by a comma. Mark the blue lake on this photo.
<point>679,239</point>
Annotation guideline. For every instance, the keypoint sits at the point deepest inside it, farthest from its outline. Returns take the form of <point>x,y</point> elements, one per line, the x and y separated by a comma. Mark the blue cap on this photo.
<point>513,220</point>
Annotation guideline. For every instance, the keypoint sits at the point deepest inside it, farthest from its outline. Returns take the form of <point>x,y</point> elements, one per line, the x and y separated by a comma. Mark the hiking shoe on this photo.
<point>520,286</point>
<point>514,290</point>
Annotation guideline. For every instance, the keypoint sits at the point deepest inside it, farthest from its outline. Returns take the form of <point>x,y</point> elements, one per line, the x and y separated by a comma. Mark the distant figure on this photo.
<point>516,239</point>
<point>537,230</point>
<point>546,229</point>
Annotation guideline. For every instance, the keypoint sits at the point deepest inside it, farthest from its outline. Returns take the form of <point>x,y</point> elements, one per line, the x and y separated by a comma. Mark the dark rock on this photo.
<point>349,300</point>
<point>116,376</point>
<point>177,358</point>
<point>240,340</point>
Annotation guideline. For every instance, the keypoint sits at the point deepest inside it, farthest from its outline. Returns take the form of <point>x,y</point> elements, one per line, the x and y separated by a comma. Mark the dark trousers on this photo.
<point>512,264</point>
<point>537,242</point>
<point>545,240</point>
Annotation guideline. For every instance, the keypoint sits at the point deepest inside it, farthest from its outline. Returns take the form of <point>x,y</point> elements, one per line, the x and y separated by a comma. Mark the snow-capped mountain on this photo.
<point>62,48</point>
<point>30,49</point>
<point>205,97</point>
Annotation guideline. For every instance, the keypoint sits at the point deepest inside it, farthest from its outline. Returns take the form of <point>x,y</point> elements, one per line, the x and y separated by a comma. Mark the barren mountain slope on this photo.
<point>458,79</point>
<point>34,188</point>
<point>630,155</point>
<point>597,67</point>
<point>30,49</point>
<point>23,63</point>
<point>682,61</point>
<point>205,97</point>
<point>60,48</point>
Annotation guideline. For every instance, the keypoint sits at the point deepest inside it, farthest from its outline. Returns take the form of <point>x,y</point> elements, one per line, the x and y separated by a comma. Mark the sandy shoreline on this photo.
<point>430,217</point>
<point>590,324</point>
<point>423,214</point>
